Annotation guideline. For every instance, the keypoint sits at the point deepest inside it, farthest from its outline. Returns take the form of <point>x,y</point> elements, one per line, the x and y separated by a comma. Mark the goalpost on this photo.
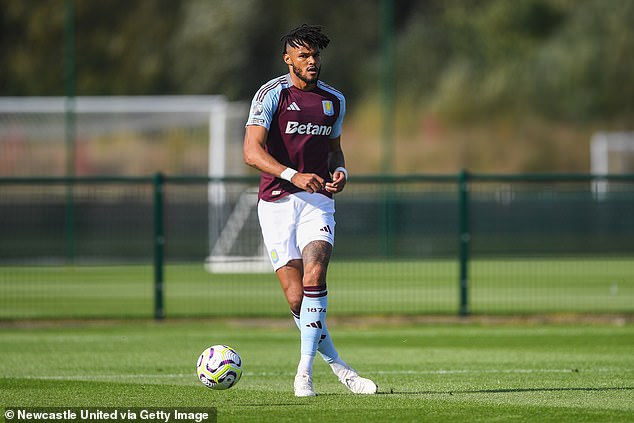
<point>133,135</point>
<point>610,153</point>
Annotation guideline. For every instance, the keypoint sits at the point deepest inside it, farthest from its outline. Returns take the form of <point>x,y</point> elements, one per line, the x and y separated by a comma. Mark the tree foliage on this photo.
<point>464,59</point>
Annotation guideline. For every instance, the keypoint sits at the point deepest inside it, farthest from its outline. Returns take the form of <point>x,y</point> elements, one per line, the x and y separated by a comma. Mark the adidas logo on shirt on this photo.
<point>293,106</point>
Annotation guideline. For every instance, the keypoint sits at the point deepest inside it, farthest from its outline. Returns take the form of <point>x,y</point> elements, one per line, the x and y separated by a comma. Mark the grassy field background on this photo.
<point>461,371</point>
<point>589,285</point>
<point>549,340</point>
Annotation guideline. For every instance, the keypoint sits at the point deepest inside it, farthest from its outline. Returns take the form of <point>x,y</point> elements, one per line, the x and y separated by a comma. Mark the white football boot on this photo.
<point>357,384</point>
<point>303,385</point>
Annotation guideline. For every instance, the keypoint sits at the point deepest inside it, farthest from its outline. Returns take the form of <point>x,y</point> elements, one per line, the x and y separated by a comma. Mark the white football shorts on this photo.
<point>293,221</point>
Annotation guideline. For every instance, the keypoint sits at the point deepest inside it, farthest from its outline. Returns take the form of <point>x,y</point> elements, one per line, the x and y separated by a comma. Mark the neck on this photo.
<point>300,83</point>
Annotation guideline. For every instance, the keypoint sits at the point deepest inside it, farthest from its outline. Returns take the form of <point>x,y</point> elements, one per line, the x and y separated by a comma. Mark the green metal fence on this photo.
<point>420,244</point>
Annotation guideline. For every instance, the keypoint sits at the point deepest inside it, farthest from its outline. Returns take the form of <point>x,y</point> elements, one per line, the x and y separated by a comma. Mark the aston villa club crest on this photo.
<point>329,108</point>
<point>274,257</point>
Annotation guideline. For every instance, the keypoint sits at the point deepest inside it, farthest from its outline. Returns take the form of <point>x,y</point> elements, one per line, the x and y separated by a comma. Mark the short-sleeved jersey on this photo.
<point>300,126</point>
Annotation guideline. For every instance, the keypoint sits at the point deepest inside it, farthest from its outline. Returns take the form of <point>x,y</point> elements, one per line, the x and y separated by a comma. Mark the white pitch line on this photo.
<point>142,377</point>
<point>449,372</point>
<point>93,377</point>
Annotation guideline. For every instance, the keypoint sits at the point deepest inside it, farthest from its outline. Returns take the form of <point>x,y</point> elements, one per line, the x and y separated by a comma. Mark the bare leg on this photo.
<point>310,271</point>
<point>290,276</point>
<point>316,256</point>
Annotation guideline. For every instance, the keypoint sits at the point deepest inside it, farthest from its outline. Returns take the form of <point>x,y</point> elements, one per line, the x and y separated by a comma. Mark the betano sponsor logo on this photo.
<point>307,128</point>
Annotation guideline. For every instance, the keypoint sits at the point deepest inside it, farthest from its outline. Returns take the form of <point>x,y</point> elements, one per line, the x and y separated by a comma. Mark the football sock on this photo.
<point>311,318</point>
<point>326,347</point>
<point>327,351</point>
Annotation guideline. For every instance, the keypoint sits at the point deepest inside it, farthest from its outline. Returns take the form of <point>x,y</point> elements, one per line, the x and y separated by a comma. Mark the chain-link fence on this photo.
<point>178,246</point>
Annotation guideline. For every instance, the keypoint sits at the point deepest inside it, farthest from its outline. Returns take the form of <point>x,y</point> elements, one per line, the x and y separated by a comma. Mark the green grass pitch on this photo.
<point>441,372</point>
<point>357,288</point>
<point>461,371</point>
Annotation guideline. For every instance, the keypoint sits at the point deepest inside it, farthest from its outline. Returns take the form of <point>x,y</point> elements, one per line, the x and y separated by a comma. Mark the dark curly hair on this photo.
<point>305,35</point>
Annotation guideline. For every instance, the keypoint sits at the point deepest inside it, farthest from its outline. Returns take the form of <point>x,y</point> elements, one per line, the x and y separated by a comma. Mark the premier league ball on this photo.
<point>219,367</point>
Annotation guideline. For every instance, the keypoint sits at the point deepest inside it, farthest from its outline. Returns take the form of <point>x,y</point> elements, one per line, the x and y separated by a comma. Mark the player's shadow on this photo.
<point>301,402</point>
<point>507,390</point>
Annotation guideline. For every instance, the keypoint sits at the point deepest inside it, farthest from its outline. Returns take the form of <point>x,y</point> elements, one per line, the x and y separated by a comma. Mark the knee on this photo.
<point>314,275</point>
<point>316,256</point>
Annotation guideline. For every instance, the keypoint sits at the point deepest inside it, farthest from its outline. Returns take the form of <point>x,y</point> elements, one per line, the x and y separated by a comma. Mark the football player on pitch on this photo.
<point>293,137</point>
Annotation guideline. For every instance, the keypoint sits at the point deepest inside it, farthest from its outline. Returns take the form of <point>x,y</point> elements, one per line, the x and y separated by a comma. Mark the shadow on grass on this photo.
<point>509,390</point>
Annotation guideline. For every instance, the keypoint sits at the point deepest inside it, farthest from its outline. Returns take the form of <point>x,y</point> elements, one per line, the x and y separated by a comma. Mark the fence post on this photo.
<point>159,243</point>
<point>70,126</point>
<point>387,216</point>
<point>69,222</point>
<point>464,240</point>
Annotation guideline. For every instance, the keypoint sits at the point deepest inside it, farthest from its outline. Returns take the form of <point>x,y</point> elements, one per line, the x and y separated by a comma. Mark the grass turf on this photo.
<point>395,287</point>
<point>426,372</point>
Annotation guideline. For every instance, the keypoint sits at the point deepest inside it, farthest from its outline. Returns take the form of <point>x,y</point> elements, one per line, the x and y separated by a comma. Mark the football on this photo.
<point>219,367</point>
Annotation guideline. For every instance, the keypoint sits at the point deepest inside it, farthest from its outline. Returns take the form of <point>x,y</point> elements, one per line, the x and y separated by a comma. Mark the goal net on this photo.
<point>237,245</point>
<point>140,135</point>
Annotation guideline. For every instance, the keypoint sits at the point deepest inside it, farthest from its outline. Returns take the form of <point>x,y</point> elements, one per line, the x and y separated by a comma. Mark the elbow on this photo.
<point>248,159</point>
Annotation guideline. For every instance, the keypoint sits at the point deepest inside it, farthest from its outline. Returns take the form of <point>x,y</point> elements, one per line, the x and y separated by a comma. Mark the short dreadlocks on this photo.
<point>305,35</point>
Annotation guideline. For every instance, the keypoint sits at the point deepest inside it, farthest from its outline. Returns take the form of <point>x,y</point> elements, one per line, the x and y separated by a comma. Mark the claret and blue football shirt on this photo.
<point>300,125</point>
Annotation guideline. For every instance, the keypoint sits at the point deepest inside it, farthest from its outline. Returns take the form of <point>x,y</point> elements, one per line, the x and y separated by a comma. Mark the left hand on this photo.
<point>337,184</point>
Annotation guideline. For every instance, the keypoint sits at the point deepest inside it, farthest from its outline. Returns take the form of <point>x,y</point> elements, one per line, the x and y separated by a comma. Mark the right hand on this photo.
<point>309,182</point>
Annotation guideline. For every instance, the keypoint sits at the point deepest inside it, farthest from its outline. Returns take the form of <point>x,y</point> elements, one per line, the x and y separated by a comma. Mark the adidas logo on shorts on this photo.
<point>326,229</point>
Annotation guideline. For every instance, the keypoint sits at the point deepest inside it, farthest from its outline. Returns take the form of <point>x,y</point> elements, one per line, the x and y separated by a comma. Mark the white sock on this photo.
<point>339,366</point>
<point>306,364</point>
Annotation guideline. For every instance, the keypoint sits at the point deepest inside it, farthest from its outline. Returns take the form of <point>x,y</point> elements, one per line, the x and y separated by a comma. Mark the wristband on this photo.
<point>288,174</point>
<point>342,170</point>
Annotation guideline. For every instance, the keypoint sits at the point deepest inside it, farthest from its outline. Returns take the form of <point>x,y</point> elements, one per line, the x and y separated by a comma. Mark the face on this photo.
<point>304,62</point>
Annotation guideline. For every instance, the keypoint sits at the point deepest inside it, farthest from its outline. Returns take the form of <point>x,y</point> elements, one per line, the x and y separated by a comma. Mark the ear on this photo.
<point>287,59</point>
